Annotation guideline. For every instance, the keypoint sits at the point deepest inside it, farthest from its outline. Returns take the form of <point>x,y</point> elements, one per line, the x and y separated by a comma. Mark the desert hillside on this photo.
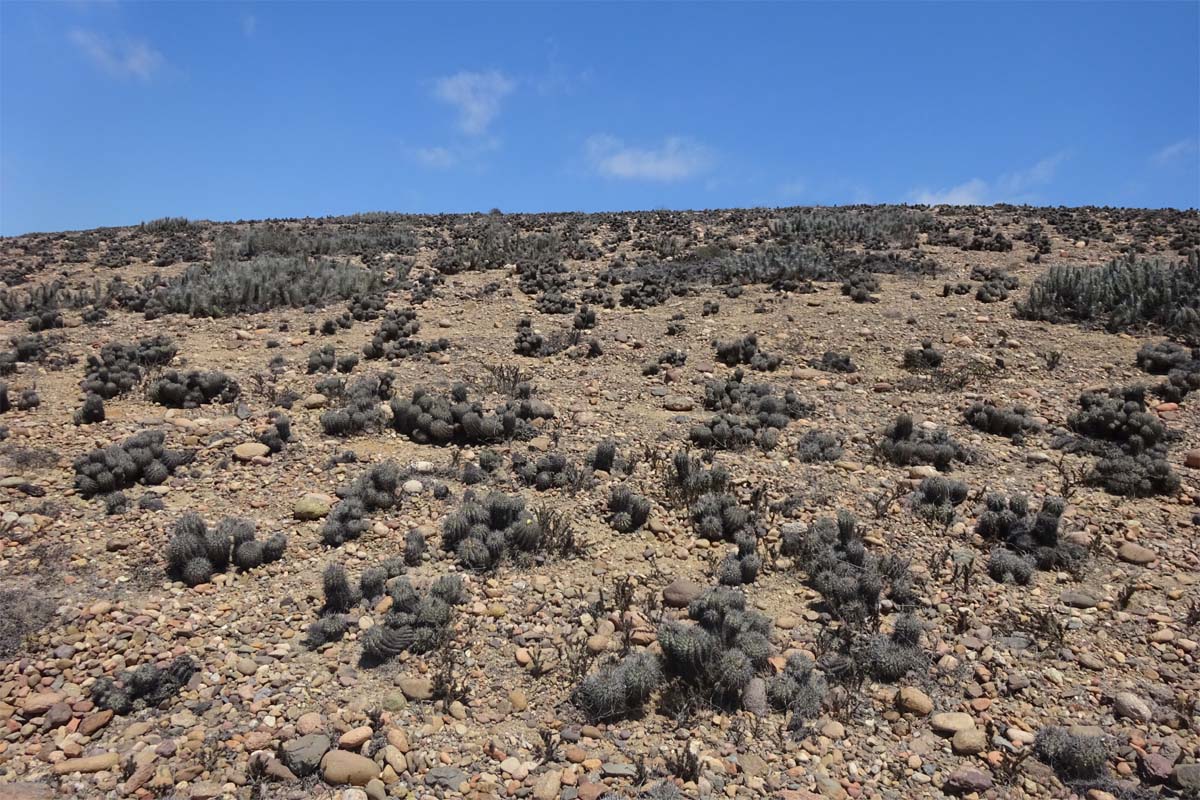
<point>857,502</point>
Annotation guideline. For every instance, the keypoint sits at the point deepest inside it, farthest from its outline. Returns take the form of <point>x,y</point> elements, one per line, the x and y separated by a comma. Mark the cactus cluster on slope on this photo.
<point>427,418</point>
<point>195,551</point>
<point>373,490</point>
<point>147,686</point>
<point>193,388</point>
<point>483,530</point>
<point>139,459</point>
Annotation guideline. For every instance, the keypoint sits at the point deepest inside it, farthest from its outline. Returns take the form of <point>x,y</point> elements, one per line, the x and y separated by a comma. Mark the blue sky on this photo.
<point>115,112</point>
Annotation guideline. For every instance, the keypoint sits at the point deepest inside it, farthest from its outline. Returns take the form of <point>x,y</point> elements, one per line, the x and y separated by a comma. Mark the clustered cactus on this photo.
<point>737,396</point>
<point>743,565</point>
<point>619,691</point>
<point>1072,756</point>
<point>549,471</point>
<point>91,412</point>
<point>373,490</point>
<point>925,357</point>
<point>722,652</point>
<point>1034,537</point>
<point>393,339</point>
<point>120,367</point>
<point>1180,365</point>
<point>718,517</point>
<point>147,686</point>
<point>139,459</point>
<point>529,342</point>
<point>687,479</point>
<point>852,581</point>
<point>798,689</point>
<point>746,351</point>
<point>831,361</point>
<point>937,498</point>
<point>818,445</point>
<point>433,419</point>
<point>668,358</point>
<point>585,318</point>
<point>482,531</point>
<point>278,432</point>
<point>996,283</point>
<point>648,293</point>
<point>1130,441</point>
<point>1014,421</point>
<point>195,552</point>
<point>193,389</point>
<point>627,511</point>
<point>323,359</point>
<point>905,444</point>
<point>44,321</point>
<point>413,623</point>
<point>365,308</point>
<point>860,286</point>
<point>604,458</point>
<point>362,411</point>
<point>728,432</point>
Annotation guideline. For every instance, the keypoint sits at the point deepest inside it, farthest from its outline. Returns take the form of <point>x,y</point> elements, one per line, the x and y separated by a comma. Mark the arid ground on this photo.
<point>703,631</point>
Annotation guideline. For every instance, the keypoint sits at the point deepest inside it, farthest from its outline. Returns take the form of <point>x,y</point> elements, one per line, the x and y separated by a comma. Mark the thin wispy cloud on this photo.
<point>793,189</point>
<point>452,155</point>
<point>677,159</point>
<point>123,59</point>
<point>1011,187</point>
<point>1175,152</point>
<point>477,96</point>
<point>249,25</point>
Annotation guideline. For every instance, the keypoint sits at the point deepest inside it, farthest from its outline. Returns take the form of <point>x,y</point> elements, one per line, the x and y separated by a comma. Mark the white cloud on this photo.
<point>793,190</point>
<point>1017,183</point>
<point>1011,187</point>
<point>131,58</point>
<point>450,155</point>
<point>972,193</point>
<point>249,24</point>
<point>476,95</point>
<point>1174,151</point>
<point>677,159</point>
<point>440,157</point>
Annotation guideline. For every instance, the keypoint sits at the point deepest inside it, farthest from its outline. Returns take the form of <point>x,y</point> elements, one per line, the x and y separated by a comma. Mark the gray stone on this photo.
<point>1187,777</point>
<point>967,780</point>
<point>677,402</point>
<point>1078,598</point>
<point>311,506</point>
<point>342,766</point>
<point>951,722</point>
<point>303,755</point>
<point>1136,554</point>
<point>445,777</point>
<point>754,699</point>
<point>416,688</point>
<point>680,592</point>
<point>1130,706</point>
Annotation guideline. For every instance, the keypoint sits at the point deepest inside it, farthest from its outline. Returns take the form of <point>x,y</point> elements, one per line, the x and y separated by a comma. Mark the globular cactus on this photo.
<point>414,547</point>
<point>327,629</point>
<point>248,554</point>
<point>371,582</point>
<point>382,642</point>
<point>273,547</point>
<point>197,571</point>
<point>339,597</point>
<point>1073,757</point>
